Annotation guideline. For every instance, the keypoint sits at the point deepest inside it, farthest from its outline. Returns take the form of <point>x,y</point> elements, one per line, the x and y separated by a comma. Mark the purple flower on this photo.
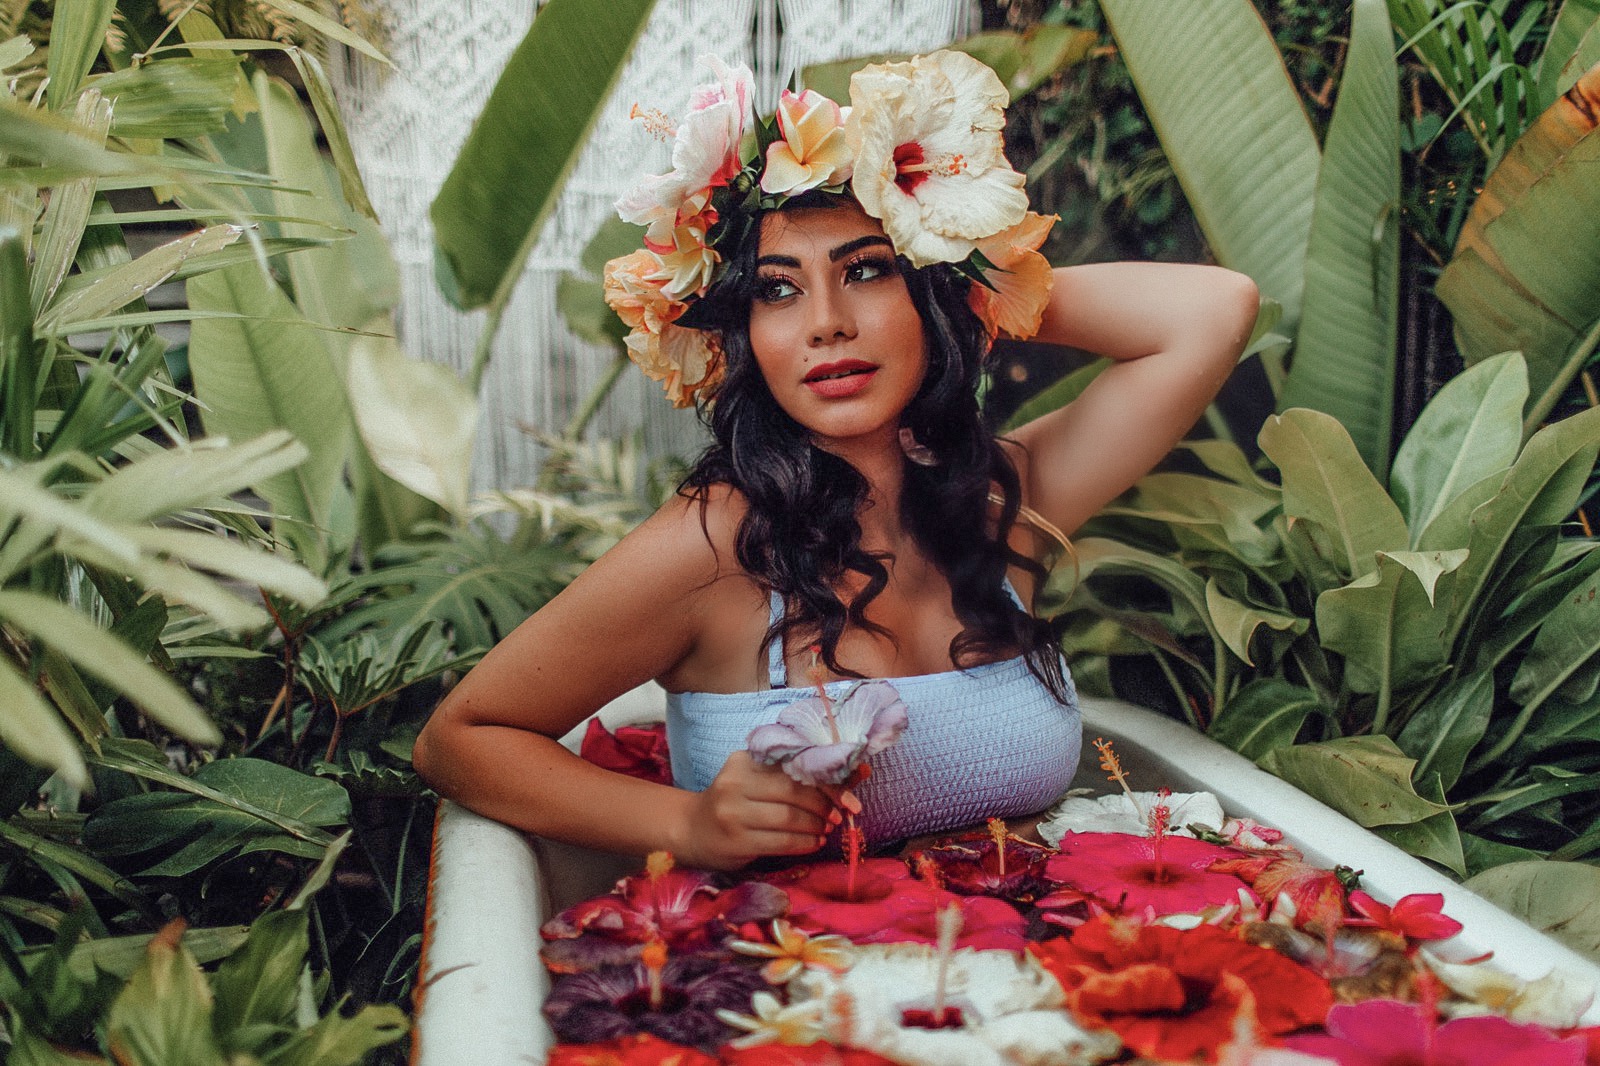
<point>819,741</point>
<point>613,1001</point>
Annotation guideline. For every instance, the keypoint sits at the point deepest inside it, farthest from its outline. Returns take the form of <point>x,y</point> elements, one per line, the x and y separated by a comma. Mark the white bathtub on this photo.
<point>481,982</point>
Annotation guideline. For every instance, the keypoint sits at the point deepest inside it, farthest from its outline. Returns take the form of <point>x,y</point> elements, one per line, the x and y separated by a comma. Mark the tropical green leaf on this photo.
<point>67,211</point>
<point>1574,26</point>
<point>120,956</point>
<point>15,51</point>
<point>32,729</point>
<point>338,1041</point>
<point>1056,396</point>
<point>162,1016</point>
<point>1236,622</point>
<point>1097,553</point>
<point>1344,351</point>
<point>1264,715</point>
<point>416,419</point>
<point>1028,60</point>
<point>1568,639</point>
<point>180,96</point>
<point>1558,898</point>
<point>1470,431</point>
<point>1326,480</point>
<point>1445,729</point>
<point>329,28</point>
<point>104,656</point>
<point>493,203</point>
<point>319,90</point>
<point>1231,122</point>
<point>1368,779</point>
<point>1540,489</point>
<point>267,371</point>
<point>77,33</point>
<point>1227,460</point>
<point>259,984</point>
<point>94,295</point>
<point>230,558</point>
<point>20,355</point>
<point>1385,623</point>
<point>1583,58</point>
<point>202,475</point>
<point>1524,276</point>
<point>1436,837</point>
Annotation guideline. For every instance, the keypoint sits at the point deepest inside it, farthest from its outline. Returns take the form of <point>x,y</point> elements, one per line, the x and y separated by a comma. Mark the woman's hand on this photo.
<point>748,811</point>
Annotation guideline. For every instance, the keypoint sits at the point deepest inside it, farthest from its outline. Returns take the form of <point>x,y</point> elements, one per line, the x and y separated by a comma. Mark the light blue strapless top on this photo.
<point>986,742</point>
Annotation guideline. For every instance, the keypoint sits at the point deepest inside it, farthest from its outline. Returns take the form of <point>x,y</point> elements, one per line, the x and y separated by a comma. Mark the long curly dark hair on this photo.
<point>800,533</point>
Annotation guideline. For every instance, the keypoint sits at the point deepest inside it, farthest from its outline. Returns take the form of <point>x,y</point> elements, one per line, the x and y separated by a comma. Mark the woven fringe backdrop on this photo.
<point>407,124</point>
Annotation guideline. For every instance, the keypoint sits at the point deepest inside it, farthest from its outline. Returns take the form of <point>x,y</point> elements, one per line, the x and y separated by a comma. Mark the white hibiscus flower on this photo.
<point>1121,813</point>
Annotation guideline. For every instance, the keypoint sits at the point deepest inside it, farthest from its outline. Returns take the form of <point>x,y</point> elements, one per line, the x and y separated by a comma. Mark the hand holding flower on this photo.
<point>749,811</point>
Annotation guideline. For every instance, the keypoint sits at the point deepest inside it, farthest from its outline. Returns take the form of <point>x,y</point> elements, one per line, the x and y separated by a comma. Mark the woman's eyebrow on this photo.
<point>860,242</point>
<point>779,260</point>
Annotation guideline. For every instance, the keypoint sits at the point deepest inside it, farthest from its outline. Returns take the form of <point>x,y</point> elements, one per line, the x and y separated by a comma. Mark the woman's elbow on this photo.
<point>1240,299</point>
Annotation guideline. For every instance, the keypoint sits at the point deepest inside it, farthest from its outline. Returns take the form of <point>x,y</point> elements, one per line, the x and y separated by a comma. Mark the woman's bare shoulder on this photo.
<point>697,527</point>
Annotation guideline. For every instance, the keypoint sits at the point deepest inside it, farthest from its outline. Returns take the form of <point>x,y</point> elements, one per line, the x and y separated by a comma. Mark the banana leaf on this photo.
<point>1572,31</point>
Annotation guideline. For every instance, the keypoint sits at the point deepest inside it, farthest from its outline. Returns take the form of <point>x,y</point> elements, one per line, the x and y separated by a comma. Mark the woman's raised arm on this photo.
<point>1175,332</point>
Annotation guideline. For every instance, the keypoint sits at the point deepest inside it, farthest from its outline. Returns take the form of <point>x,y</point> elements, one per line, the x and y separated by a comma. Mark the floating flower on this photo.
<point>813,150</point>
<point>1129,812</point>
<point>679,1004</point>
<point>793,951</point>
<point>1315,894</point>
<point>929,157</point>
<point>889,906</point>
<point>682,908</point>
<point>1009,1009</point>
<point>639,1049</point>
<point>1127,873</point>
<point>1419,916</point>
<point>775,1023</point>
<point>1012,298</point>
<point>819,741</point>
<point>1558,999</point>
<point>1358,964</point>
<point>1163,989</point>
<point>1382,1032</point>
<point>994,864</point>
<point>638,751</point>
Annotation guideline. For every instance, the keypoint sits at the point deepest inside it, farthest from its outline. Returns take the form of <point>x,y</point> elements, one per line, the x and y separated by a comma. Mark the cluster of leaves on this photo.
<point>1433,643</point>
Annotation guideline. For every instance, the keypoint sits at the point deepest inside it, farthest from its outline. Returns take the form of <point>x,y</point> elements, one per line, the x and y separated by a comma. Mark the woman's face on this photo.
<point>832,324</point>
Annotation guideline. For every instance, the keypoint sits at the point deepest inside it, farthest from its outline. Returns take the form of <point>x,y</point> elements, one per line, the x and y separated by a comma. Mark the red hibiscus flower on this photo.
<point>640,1049</point>
<point>889,906</point>
<point>1419,916</point>
<point>682,908</point>
<point>1129,874</point>
<point>1173,994</point>
<point>1382,1032</point>
<point>638,751</point>
<point>989,864</point>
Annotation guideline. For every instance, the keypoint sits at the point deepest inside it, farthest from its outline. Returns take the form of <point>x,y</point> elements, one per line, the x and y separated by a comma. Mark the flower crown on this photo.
<point>919,148</point>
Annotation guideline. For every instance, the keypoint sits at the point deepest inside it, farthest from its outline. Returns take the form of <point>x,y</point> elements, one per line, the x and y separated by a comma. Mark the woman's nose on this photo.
<point>831,317</point>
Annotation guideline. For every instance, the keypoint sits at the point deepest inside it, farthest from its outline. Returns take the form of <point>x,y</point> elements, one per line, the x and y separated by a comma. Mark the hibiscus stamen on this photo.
<point>998,834</point>
<point>654,958</point>
<point>854,842</point>
<point>949,926</point>
<point>655,122</point>
<point>928,870</point>
<point>1160,821</point>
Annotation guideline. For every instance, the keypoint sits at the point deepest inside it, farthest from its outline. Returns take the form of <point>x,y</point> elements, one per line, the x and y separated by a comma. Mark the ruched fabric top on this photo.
<point>991,741</point>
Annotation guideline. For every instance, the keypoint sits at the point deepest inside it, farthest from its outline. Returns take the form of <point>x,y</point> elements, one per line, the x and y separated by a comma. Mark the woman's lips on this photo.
<point>843,378</point>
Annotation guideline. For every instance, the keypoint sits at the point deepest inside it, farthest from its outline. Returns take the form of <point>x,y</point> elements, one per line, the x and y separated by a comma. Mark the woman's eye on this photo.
<point>868,269</point>
<point>774,287</point>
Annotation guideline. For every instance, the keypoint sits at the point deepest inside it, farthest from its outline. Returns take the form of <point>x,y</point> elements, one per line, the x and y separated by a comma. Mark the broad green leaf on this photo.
<point>330,28</point>
<point>120,956</point>
<point>1236,622</point>
<point>93,296</point>
<point>30,1050</point>
<point>104,656</point>
<point>416,418</point>
<point>338,1041</point>
<point>1230,120</point>
<point>230,558</point>
<point>1436,837</point>
<point>1220,516</point>
<point>20,354</point>
<point>1326,481</point>
<point>14,51</point>
<point>320,92</point>
<point>203,475</point>
<point>80,867</point>
<point>1344,351</point>
<point>1226,459</point>
<point>1583,59</point>
<point>492,205</point>
<point>1384,623</point>
<point>162,1017</point>
<point>1470,431</point>
<point>1056,396</point>
<point>259,983</point>
<point>1484,854</point>
<point>1452,526</point>
<point>1264,715</point>
<point>1097,553</point>
<point>32,729</point>
<point>1567,641</point>
<point>1367,779</point>
<point>1429,567</point>
<point>1558,898</point>
<point>67,211</point>
<point>254,376</point>
<point>1540,489</point>
<point>1026,61</point>
<point>177,96</point>
<point>1525,276</point>
<point>1445,729</point>
<point>77,33</point>
<point>1574,23</point>
<point>179,584</point>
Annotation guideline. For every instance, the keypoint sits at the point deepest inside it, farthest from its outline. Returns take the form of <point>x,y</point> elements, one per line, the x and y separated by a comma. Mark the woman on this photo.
<point>813,283</point>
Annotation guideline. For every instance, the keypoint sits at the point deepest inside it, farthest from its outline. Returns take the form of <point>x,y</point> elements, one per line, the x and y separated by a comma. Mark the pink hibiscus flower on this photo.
<point>1383,1032</point>
<point>1129,874</point>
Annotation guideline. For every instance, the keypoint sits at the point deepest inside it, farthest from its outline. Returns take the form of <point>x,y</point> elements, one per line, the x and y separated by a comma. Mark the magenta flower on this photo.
<point>1383,1032</point>
<point>1419,916</point>
<point>820,741</point>
<point>1128,873</point>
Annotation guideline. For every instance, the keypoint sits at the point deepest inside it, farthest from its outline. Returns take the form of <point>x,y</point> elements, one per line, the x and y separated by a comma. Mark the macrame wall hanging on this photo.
<point>407,124</point>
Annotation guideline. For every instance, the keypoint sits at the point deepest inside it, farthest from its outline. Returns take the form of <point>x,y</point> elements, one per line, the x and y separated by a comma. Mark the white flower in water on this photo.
<point>1010,1009</point>
<point>1557,1000</point>
<point>1120,813</point>
<point>774,1023</point>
